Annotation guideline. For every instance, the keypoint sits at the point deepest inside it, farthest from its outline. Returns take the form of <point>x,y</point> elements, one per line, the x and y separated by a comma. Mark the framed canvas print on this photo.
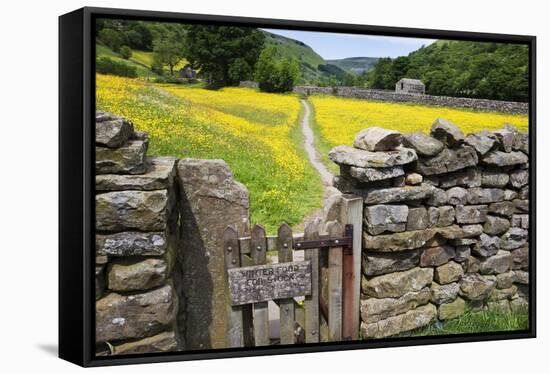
<point>236,186</point>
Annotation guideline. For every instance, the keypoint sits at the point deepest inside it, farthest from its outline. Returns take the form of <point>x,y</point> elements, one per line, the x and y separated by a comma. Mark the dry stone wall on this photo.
<point>446,220</point>
<point>395,97</point>
<point>160,271</point>
<point>136,235</point>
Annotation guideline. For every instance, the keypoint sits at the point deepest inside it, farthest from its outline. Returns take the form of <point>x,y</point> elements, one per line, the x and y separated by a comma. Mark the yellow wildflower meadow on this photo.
<point>257,134</point>
<point>339,120</point>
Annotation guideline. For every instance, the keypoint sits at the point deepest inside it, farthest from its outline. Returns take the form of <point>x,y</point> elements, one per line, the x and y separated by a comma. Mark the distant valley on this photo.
<point>355,65</point>
<point>312,65</point>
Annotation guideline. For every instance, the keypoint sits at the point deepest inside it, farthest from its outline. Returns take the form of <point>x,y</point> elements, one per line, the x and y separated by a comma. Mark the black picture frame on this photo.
<point>76,184</point>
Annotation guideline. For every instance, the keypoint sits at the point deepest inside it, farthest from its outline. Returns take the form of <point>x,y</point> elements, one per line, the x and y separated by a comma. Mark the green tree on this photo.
<point>381,74</point>
<point>224,55</point>
<point>134,39</point>
<point>111,38</point>
<point>105,65</point>
<point>349,80</point>
<point>461,68</point>
<point>399,69</point>
<point>157,66</point>
<point>266,70</point>
<point>332,81</point>
<point>274,74</point>
<point>146,38</point>
<point>239,70</point>
<point>361,79</point>
<point>288,74</point>
<point>168,51</point>
<point>125,52</point>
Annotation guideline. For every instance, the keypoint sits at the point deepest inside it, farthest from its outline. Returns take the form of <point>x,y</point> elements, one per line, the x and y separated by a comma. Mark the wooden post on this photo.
<point>311,232</point>
<point>286,306</point>
<point>234,331</point>
<point>248,326</point>
<point>352,214</point>
<point>258,248</point>
<point>334,284</point>
<point>248,316</point>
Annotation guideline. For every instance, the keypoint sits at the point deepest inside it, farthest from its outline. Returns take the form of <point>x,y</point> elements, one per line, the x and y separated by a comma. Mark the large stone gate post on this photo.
<point>211,199</point>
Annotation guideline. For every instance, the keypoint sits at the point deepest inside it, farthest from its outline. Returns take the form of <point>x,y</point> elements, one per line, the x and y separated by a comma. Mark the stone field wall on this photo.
<point>393,97</point>
<point>159,282</point>
<point>136,234</point>
<point>446,220</point>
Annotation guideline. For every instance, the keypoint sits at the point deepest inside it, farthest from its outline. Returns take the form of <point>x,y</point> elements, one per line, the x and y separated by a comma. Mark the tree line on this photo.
<point>223,55</point>
<point>461,69</point>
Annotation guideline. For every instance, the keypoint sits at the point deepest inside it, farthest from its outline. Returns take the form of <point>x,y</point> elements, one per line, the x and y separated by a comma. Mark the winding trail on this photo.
<point>312,154</point>
<point>326,178</point>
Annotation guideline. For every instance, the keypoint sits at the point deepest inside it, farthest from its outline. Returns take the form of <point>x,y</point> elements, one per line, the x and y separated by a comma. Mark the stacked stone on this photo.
<point>445,223</point>
<point>400,97</point>
<point>136,233</point>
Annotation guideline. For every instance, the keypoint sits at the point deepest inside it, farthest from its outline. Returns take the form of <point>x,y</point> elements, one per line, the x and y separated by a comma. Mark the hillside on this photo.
<point>462,69</point>
<point>142,69</point>
<point>308,59</point>
<point>141,60</point>
<point>312,66</point>
<point>355,65</point>
<point>140,37</point>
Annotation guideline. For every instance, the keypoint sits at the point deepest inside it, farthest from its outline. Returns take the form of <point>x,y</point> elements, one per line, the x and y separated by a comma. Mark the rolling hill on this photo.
<point>312,65</point>
<point>355,65</point>
<point>314,69</point>
<point>461,68</point>
<point>141,60</point>
<point>308,59</point>
<point>142,69</point>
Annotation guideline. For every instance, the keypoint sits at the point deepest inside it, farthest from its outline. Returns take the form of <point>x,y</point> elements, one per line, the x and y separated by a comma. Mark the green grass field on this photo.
<point>475,322</point>
<point>257,134</point>
<point>143,70</point>
<point>338,120</point>
<point>141,60</point>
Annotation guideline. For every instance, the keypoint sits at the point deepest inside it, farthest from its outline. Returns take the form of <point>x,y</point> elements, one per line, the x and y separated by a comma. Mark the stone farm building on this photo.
<point>410,86</point>
<point>187,72</point>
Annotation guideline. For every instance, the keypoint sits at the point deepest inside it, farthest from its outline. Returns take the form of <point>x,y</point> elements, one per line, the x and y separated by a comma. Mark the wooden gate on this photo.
<point>317,295</point>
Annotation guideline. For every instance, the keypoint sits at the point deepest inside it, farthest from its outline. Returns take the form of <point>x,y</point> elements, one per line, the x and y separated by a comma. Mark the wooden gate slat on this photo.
<point>234,331</point>
<point>341,266</point>
<point>352,213</point>
<point>299,314</point>
<point>258,253</point>
<point>286,306</point>
<point>248,327</point>
<point>335,284</point>
<point>311,232</point>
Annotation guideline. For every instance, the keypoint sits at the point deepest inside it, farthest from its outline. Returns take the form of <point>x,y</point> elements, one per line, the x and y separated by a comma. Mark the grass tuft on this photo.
<point>476,322</point>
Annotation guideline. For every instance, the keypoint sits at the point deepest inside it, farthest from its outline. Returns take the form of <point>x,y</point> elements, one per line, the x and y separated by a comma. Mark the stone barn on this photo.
<point>410,86</point>
<point>187,72</point>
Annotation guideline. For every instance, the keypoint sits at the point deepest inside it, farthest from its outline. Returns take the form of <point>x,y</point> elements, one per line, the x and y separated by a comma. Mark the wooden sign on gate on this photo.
<point>253,284</point>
